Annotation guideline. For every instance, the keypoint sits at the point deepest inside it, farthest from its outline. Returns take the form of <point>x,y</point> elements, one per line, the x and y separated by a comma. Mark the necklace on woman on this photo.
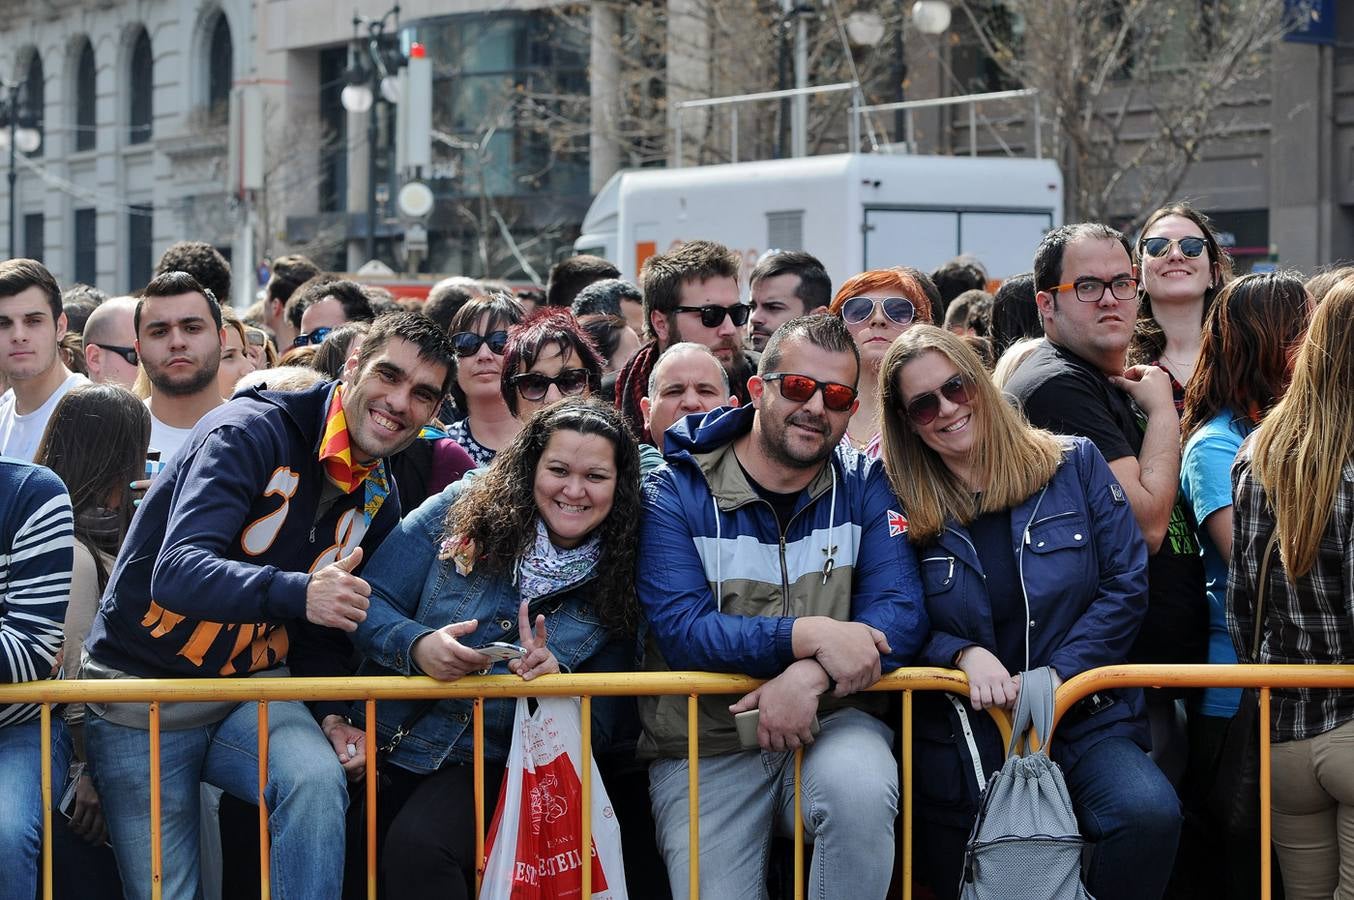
<point>1178,368</point>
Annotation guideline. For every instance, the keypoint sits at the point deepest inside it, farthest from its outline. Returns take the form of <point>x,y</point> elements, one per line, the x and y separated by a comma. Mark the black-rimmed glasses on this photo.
<point>713,314</point>
<point>1090,290</point>
<point>467,343</point>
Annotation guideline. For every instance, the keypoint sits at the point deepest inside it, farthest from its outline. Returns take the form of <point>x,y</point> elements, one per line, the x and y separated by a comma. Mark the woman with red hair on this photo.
<point>877,306</point>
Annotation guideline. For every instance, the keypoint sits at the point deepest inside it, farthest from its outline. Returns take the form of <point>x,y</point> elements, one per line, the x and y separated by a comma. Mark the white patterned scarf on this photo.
<point>545,568</point>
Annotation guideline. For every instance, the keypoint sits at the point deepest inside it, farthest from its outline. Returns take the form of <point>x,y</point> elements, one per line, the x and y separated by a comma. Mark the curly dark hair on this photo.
<point>201,260</point>
<point>498,511</point>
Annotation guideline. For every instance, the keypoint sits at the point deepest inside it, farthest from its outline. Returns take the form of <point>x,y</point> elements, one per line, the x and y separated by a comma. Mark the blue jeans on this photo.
<point>849,800</point>
<point>306,797</point>
<point>21,801</point>
<point>1131,814</point>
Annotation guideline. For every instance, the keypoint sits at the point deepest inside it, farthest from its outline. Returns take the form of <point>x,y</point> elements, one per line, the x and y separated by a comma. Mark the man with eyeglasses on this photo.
<point>32,323</point>
<point>691,293</point>
<point>769,551</point>
<point>1087,293</point>
<point>110,342</point>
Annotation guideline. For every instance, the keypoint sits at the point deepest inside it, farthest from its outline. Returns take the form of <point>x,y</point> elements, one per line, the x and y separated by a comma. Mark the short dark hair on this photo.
<point>443,302</point>
<point>972,309</point>
<point>1048,256</point>
<point>349,294</point>
<point>432,342</point>
<point>663,275</point>
<point>201,260</point>
<point>547,327</point>
<point>78,301</point>
<point>604,297</point>
<point>605,332</point>
<point>815,288</point>
<point>332,354</point>
<point>18,275</point>
<point>1015,314</point>
<point>963,273</point>
<point>826,331</point>
<point>287,274</point>
<point>572,274</point>
<point>172,284</point>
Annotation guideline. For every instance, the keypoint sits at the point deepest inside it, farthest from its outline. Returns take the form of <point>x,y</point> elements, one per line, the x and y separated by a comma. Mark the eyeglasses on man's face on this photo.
<point>712,315</point>
<point>1091,290</point>
<point>306,338</point>
<point>799,388</point>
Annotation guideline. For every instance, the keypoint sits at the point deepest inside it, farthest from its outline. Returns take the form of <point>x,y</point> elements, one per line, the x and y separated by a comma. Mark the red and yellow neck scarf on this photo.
<point>335,451</point>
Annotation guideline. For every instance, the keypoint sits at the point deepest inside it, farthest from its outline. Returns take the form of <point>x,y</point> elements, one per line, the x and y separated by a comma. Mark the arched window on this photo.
<point>85,99</point>
<point>220,68</point>
<point>32,102</point>
<point>140,112</point>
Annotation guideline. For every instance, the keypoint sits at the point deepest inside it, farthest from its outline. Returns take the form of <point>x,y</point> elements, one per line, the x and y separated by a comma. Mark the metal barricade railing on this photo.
<point>690,684</point>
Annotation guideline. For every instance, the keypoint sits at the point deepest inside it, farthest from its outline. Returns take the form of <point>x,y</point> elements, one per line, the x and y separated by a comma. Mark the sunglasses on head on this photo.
<point>898,309</point>
<point>467,343</point>
<point>127,353</point>
<point>534,386</point>
<point>799,388</point>
<point>305,339</point>
<point>713,315</point>
<point>1190,247</point>
<point>924,409</point>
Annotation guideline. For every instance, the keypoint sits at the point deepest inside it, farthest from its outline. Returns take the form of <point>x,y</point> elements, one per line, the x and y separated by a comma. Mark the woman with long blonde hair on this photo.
<point>1030,557</point>
<point>1296,484</point>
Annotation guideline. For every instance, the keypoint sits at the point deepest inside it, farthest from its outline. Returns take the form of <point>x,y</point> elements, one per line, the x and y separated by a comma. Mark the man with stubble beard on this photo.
<point>178,339</point>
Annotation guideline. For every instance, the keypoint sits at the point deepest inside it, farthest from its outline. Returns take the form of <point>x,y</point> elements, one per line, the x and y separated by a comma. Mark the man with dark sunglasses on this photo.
<point>1087,293</point>
<point>771,551</point>
<point>109,342</point>
<point>691,294</point>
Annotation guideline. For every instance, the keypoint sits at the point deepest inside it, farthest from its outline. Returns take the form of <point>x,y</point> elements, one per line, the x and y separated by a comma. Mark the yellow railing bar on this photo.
<point>585,834</point>
<point>477,777</point>
<point>799,826</point>
<point>905,838</point>
<point>45,747</point>
<point>156,870</point>
<point>1265,790</point>
<point>370,786</point>
<point>265,869</point>
<point>693,788</point>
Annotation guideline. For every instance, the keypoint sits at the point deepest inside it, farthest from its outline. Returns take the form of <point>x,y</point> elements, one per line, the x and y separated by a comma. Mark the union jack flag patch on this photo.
<point>897,523</point>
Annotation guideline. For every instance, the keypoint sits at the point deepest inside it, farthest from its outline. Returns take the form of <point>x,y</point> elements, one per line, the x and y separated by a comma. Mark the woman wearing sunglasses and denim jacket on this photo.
<point>1182,269</point>
<point>1029,556</point>
<point>877,306</point>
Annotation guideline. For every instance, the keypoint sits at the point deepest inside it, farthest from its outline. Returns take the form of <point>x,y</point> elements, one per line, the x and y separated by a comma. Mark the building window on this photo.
<point>86,246</point>
<point>32,103</point>
<point>139,260</point>
<point>33,238</point>
<point>220,70</point>
<point>142,87</point>
<point>85,93</point>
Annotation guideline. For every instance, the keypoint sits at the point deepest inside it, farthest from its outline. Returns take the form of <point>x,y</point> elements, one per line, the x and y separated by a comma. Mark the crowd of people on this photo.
<point>1092,463</point>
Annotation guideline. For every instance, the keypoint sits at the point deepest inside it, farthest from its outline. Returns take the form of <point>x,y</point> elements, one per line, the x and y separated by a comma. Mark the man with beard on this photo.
<point>785,284</point>
<point>770,552</point>
<point>690,294</point>
<point>178,339</point>
<point>247,544</point>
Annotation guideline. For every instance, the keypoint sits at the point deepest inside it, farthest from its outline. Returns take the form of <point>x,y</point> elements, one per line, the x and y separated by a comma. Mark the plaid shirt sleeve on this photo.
<point>1307,622</point>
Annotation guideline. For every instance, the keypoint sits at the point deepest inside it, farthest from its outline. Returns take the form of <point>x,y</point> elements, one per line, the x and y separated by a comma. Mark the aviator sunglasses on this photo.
<point>799,388</point>
<point>467,343</point>
<point>534,386</point>
<point>898,309</point>
<point>1190,247</point>
<point>713,315</point>
<point>924,409</point>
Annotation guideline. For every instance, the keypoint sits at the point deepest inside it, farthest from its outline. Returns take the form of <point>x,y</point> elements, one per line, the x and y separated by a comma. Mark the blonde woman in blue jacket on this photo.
<point>1030,556</point>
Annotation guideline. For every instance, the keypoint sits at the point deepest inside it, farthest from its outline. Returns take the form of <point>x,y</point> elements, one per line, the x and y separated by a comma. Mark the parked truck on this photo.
<point>854,211</point>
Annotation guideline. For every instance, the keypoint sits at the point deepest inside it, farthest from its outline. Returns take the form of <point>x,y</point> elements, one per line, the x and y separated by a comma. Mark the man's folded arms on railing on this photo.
<point>769,551</point>
<point>538,546</point>
<point>241,560</point>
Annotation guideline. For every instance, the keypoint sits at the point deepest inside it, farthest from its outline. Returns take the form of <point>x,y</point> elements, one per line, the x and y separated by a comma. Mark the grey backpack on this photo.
<point>1026,844</point>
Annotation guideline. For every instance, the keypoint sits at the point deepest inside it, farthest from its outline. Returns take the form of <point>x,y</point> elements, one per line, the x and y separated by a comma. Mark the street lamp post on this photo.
<point>19,137</point>
<point>371,77</point>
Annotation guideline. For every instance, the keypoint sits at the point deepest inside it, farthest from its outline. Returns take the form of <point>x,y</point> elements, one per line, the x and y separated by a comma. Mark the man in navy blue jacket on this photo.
<point>247,541</point>
<point>770,550</point>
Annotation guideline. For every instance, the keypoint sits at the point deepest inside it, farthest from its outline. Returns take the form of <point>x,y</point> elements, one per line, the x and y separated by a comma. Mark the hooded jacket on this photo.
<point>220,552</point>
<point>721,586</point>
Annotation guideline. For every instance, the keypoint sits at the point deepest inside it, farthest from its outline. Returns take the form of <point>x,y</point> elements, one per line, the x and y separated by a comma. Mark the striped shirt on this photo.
<point>1309,622</point>
<point>37,537</point>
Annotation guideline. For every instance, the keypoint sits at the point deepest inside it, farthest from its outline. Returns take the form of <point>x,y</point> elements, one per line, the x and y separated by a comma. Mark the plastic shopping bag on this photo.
<point>533,844</point>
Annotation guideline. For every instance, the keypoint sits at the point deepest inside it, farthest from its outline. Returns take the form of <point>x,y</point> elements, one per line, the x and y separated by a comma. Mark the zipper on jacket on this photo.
<point>1020,569</point>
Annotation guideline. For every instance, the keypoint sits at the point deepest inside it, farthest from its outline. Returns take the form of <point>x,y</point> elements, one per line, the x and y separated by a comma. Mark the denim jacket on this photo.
<point>413,593</point>
<point>1083,572</point>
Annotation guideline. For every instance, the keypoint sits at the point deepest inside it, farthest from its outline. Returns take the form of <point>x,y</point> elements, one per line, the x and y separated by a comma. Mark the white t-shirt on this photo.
<point>166,438</point>
<point>20,435</point>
